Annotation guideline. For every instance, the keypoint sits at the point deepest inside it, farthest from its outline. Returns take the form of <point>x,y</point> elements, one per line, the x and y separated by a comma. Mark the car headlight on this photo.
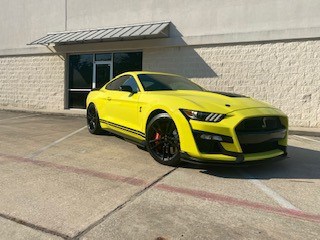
<point>203,116</point>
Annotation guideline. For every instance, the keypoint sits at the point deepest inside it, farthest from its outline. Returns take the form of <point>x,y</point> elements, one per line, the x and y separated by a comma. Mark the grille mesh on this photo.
<point>260,125</point>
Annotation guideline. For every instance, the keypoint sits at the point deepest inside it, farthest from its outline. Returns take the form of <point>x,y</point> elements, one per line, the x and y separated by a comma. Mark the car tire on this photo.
<point>162,140</point>
<point>93,121</point>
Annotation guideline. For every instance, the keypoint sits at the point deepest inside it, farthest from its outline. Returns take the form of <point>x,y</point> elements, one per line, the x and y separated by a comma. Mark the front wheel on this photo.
<point>93,121</point>
<point>163,140</point>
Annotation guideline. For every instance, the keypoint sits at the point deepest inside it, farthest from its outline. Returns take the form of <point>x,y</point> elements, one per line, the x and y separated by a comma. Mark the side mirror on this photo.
<point>126,88</point>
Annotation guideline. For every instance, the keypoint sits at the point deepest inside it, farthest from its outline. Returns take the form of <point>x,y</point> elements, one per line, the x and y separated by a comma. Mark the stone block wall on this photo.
<point>284,74</point>
<point>32,82</point>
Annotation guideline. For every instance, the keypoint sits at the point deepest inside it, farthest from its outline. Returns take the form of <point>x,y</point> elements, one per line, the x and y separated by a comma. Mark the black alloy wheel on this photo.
<point>163,140</point>
<point>93,121</point>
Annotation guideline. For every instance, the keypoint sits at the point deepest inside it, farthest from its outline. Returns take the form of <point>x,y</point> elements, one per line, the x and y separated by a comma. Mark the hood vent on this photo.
<point>234,95</point>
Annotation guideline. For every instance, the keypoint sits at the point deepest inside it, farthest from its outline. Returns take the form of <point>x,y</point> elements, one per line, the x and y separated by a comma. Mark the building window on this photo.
<point>80,79</point>
<point>88,71</point>
<point>123,62</point>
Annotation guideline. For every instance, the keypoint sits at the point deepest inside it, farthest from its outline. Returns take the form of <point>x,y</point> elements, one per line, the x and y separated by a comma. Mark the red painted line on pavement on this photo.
<point>185,191</point>
<point>238,202</point>
<point>87,172</point>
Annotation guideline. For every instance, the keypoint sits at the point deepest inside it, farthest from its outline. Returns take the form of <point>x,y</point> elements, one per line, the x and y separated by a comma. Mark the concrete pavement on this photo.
<point>59,181</point>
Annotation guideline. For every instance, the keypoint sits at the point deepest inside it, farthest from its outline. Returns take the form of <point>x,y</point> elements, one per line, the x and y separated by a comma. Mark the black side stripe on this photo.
<point>123,128</point>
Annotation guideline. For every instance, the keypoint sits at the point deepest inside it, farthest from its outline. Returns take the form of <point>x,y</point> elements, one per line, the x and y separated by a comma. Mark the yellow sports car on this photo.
<point>175,120</point>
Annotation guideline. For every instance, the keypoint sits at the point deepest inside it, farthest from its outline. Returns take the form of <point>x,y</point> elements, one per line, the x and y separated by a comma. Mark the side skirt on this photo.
<point>136,141</point>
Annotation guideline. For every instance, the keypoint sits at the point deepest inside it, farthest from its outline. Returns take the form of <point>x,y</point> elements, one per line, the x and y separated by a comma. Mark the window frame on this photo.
<point>68,90</point>
<point>94,80</point>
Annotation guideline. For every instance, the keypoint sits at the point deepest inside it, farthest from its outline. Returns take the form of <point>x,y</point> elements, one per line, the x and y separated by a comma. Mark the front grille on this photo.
<point>259,147</point>
<point>259,126</point>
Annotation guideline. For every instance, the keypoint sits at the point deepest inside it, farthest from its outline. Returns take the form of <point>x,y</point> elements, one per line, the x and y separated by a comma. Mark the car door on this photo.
<point>105,97</point>
<point>122,107</point>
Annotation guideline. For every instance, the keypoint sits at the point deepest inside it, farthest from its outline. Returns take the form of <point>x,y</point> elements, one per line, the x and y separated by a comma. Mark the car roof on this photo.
<point>146,72</point>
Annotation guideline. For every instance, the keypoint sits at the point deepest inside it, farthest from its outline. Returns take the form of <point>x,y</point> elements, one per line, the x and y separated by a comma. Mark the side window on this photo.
<point>132,83</point>
<point>115,85</point>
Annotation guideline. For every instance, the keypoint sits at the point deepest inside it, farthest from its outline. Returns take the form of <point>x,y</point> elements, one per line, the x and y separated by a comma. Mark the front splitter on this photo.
<point>198,161</point>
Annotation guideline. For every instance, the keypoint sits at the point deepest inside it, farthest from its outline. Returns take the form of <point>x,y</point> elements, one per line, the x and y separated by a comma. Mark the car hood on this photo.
<point>220,102</point>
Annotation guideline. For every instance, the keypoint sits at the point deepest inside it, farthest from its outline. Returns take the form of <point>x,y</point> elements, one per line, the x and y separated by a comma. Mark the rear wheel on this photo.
<point>163,140</point>
<point>93,121</point>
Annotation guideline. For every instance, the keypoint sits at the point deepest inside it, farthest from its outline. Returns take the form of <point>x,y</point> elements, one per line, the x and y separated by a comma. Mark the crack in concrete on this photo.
<point>121,206</point>
<point>34,226</point>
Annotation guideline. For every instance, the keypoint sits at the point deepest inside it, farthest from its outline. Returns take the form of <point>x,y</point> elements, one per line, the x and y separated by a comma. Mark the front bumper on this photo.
<point>237,146</point>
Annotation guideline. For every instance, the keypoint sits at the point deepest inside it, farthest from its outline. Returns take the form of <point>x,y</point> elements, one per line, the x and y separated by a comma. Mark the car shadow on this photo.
<point>302,164</point>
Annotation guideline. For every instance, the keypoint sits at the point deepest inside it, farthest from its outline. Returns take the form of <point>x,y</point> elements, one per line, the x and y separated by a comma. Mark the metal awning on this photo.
<point>139,31</point>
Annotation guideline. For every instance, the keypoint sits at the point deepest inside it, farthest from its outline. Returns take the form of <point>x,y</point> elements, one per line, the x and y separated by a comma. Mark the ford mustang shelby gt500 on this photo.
<point>175,119</point>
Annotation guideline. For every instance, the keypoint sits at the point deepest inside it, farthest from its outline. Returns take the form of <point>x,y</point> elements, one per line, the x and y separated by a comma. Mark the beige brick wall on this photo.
<point>32,82</point>
<point>285,74</point>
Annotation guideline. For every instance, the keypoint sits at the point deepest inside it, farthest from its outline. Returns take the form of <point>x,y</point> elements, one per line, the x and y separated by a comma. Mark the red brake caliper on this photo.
<point>157,137</point>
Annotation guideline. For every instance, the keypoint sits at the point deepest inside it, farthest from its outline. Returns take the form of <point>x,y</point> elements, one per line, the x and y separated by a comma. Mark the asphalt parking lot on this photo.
<point>60,182</point>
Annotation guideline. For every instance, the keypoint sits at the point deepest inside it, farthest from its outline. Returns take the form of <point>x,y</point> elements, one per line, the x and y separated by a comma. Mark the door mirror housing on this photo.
<point>126,88</point>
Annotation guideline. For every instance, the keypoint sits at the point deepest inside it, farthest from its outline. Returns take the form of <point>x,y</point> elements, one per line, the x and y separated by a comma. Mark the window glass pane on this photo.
<point>158,82</point>
<point>115,85</point>
<point>103,57</point>
<point>77,99</point>
<point>102,74</point>
<point>132,83</point>
<point>124,62</point>
<point>80,71</point>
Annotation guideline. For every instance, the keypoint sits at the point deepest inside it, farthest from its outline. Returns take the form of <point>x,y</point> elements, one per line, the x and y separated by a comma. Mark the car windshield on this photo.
<point>158,82</point>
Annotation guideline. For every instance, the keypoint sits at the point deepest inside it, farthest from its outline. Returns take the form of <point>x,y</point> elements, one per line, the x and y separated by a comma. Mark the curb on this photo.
<point>309,133</point>
<point>66,112</point>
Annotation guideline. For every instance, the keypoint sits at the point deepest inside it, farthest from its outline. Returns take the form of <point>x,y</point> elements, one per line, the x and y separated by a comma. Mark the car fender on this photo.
<point>184,129</point>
